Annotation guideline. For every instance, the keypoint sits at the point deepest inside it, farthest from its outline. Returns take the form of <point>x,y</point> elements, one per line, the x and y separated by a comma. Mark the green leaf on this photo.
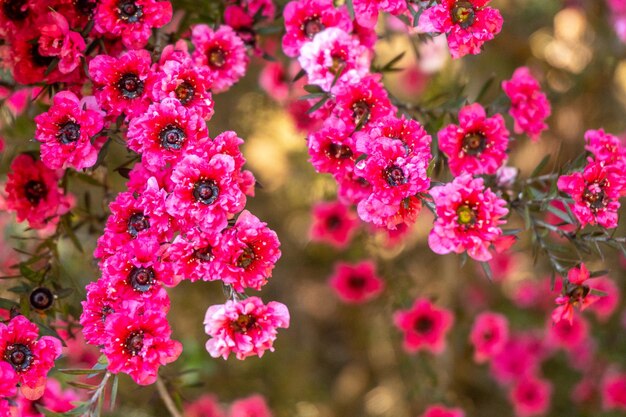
<point>596,274</point>
<point>487,270</point>
<point>389,66</point>
<point>314,89</point>
<point>299,75</point>
<point>317,105</point>
<point>7,304</point>
<point>80,371</point>
<point>114,391</point>
<point>540,166</point>
<point>81,385</point>
<point>350,7</point>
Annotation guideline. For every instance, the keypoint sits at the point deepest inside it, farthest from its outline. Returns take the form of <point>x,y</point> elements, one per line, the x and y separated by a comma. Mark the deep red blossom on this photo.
<point>332,148</point>
<point>531,396</point>
<point>576,292</point>
<point>356,283</point>
<point>489,335</point>
<point>333,223</point>
<point>58,41</point>
<point>424,325</point>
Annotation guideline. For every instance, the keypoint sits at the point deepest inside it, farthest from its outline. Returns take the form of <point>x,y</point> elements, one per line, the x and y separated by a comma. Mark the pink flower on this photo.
<point>614,391</point>
<point>332,148</point>
<point>606,148</point>
<point>131,20</point>
<point>249,251</point>
<point>489,335</point>
<point>478,145</point>
<point>606,303</point>
<point>122,84</point>
<point>334,56</point>
<point>424,325</point>
<point>57,40</point>
<point>356,283</point>
<point>468,24</point>
<point>274,80</point>
<point>54,399</point>
<point>245,328</point>
<point>568,335</point>
<point>100,303</point>
<point>441,411</point>
<point>519,358</point>
<point>333,223</point>
<point>531,396</point>
<point>186,82</point>
<point>468,218</point>
<point>65,132</point>
<point>366,11</point>
<point>223,52</point>
<point>254,406</point>
<point>192,256</point>
<point>164,132</point>
<point>596,192</point>
<point>33,193</point>
<point>306,18</point>
<point>8,380</point>
<point>529,105</point>
<point>31,357</point>
<point>205,406</point>
<point>138,342</point>
<point>575,293</point>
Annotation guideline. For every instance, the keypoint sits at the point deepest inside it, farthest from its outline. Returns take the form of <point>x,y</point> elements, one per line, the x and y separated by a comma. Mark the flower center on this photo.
<point>204,254</point>
<point>466,215</point>
<point>38,59</point>
<point>338,151</point>
<point>474,143</point>
<point>217,57</point>
<point>141,279</point>
<point>69,132</point>
<point>130,86</point>
<point>14,10</point>
<point>129,11</point>
<point>19,355</point>
<point>312,26</point>
<point>333,222</point>
<point>595,196</point>
<point>35,191</point>
<point>360,112</point>
<point>185,92</point>
<point>423,324</point>
<point>172,137</point>
<point>394,176</point>
<point>356,282</point>
<point>85,7</point>
<point>246,258</point>
<point>206,191</point>
<point>339,63</point>
<point>243,323</point>
<point>137,222</point>
<point>41,298</point>
<point>577,292</point>
<point>105,311</point>
<point>134,342</point>
<point>463,14</point>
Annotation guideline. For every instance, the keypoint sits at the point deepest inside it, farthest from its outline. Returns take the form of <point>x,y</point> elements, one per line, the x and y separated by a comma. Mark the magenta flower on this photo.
<point>332,148</point>
<point>468,24</point>
<point>478,145</point>
<point>205,406</point>
<point>54,399</point>
<point>409,132</point>
<point>529,105</point>
<point>306,18</point>
<point>609,151</point>
<point>131,20</point>
<point>468,218</point>
<point>520,357</point>
<point>138,342</point>
<point>424,325</point>
<point>489,335</point>
<point>596,192</point>
<point>441,411</point>
<point>575,293</point>
<point>31,357</point>
<point>253,406</point>
<point>245,328</point>
<point>65,132</point>
<point>567,335</point>
<point>223,52</point>
<point>193,258</point>
<point>356,283</point>
<point>366,11</point>
<point>8,380</point>
<point>100,303</point>
<point>607,303</point>
<point>613,391</point>
<point>57,40</point>
<point>333,223</point>
<point>33,193</point>
<point>531,396</point>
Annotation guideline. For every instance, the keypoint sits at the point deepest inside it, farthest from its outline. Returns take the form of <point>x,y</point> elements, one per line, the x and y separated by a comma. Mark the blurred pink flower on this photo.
<point>356,283</point>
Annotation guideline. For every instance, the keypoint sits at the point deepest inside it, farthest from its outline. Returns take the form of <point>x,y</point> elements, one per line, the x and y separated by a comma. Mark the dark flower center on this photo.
<point>463,14</point>
<point>474,143</point>
<point>243,323</point>
<point>14,10</point>
<point>19,355</point>
<point>134,342</point>
<point>35,191</point>
<point>360,112</point>
<point>394,176</point>
<point>85,7</point>
<point>333,222</point>
<point>38,59</point>
<point>246,258</point>
<point>137,222</point>
<point>206,191</point>
<point>69,132</point>
<point>172,137</point>
<point>466,215</point>
<point>339,63</point>
<point>338,151</point>
<point>130,86</point>
<point>423,324</point>
<point>141,279</point>
<point>577,292</point>
<point>105,311</point>
<point>185,92</point>
<point>129,11</point>
<point>595,196</point>
<point>356,282</point>
<point>41,298</point>
<point>204,254</point>
<point>312,26</point>
<point>217,57</point>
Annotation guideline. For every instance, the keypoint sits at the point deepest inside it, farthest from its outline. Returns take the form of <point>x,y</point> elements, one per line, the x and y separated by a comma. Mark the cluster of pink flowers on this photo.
<point>209,406</point>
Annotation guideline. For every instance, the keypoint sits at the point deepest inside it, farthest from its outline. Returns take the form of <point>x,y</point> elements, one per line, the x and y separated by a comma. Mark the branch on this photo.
<point>167,399</point>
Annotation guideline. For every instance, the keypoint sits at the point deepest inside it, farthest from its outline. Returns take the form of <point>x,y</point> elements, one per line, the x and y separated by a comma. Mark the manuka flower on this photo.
<point>33,193</point>
<point>613,391</point>
<point>575,293</point>
<point>31,357</point>
<point>606,149</point>
<point>468,218</point>
<point>478,145</point>
<point>58,41</point>
<point>596,192</point>
<point>122,84</point>
<point>358,105</point>
<point>192,256</point>
<point>468,24</point>
<point>223,52</point>
<point>254,406</point>
<point>100,303</point>
<point>366,11</point>
<point>424,325</point>
<point>489,335</point>
<point>529,105</point>
<point>66,131</point>
<point>306,18</point>
<point>54,399</point>
<point>531,396</point>
<point>245,328</point>
<point>356,283</point>
<point>332,148</point>
<point>131,20</point>
<point>441,411</point>
<point>333,223</point>
<point>567,335</point>
<point>8,380</point>
<point>138,342</point>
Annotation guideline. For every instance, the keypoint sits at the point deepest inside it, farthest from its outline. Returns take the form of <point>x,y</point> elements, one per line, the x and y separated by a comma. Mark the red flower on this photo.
<point>356,283</point>
<point>424,325</point>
